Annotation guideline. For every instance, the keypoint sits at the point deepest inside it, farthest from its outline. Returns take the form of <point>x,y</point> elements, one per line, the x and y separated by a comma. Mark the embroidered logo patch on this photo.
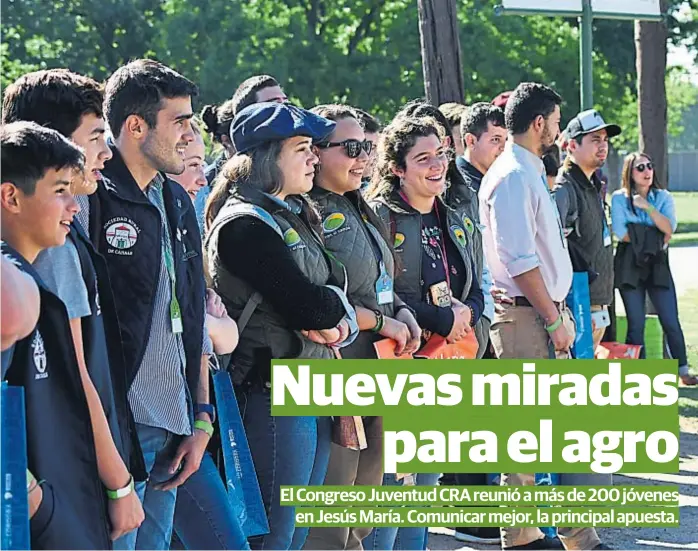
<point>459,234</point>
<point>399,240</point>
<point>291,237</point>
<point>121,233</point>
<point>468,223</point>
<point>333,222</point>
<point>39,356</point>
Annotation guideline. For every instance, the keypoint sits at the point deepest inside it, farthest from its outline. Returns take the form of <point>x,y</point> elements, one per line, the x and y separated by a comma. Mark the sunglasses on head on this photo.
<point>351,147</point>
<point>642,166</point>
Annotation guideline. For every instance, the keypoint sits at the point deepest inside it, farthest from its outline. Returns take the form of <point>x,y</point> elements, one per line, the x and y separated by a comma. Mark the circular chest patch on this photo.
<point>121,235</point>
<point>291,237</point>
<point>333,222</point>
<point>399,240</point>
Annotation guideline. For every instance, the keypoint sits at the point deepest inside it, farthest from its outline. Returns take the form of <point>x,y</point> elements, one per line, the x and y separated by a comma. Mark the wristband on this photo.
<point>380,321</point>
<point>122,492</point>
<point>554,325</point>
<point>650,209</point>
<point>204,426</point>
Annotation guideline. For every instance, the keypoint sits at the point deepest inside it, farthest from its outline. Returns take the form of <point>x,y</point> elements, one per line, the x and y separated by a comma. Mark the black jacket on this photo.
<point>582,215</point>
<point>126,229</point>
<point>644,260</point>
<point>60,443</point>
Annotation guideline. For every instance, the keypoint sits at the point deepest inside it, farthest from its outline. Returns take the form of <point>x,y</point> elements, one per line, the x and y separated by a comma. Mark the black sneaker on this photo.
<point>483,536</point>
<point>602,547</point>
<point>543,543</point>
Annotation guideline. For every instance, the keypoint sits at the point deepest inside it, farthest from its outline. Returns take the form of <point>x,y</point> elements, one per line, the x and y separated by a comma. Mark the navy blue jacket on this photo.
<point>126,229</point>
<point>60,443</point>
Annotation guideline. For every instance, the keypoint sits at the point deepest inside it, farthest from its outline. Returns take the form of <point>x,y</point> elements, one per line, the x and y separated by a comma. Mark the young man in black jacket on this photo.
<point>582,212</point>
<point>68,507</point>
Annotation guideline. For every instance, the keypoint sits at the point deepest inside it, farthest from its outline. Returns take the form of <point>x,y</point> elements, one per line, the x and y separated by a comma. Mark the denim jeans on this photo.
<point>159,447</point>
<point>286,451</point>
<point>413,538</point>
<point>664,301</point>
<point>204,518</point>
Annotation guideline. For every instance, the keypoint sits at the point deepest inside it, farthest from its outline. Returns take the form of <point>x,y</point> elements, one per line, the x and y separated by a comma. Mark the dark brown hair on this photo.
<point>398,138</point>
<point>626,179</point>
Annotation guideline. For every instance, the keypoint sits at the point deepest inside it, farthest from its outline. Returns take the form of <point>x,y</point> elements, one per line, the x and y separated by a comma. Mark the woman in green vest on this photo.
<point>268,264</point>
<point>359,240</point>
<point>431,245</point>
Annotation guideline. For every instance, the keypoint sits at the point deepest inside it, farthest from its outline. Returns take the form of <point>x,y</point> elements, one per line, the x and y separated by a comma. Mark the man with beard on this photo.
<point>526,252</point>
<point>581,207</point>
<point>145,227</point>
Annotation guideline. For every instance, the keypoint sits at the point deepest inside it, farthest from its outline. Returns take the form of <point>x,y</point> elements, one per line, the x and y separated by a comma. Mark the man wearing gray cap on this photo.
<point>578,198</point>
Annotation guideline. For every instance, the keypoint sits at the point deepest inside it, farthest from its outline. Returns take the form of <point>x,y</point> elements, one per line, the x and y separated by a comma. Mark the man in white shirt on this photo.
<point>526,252</point>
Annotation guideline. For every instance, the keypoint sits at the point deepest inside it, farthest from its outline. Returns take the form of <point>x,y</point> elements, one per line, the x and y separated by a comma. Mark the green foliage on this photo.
<point>366,52</point>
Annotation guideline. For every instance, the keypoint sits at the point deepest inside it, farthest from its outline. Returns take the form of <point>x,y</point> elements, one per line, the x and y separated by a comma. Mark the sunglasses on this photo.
<point>351,147</point>
<point>642,166</point>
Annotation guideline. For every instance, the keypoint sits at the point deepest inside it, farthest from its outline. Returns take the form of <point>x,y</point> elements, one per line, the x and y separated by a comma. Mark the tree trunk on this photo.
<point>441,55</point>
<point>651,47</point>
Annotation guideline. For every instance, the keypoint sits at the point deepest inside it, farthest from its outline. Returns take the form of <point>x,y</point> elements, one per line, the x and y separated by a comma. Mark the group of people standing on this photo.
<point>315,234</point>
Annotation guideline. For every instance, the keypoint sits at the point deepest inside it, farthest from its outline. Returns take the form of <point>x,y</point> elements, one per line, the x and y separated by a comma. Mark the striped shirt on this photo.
<point>159,395</point>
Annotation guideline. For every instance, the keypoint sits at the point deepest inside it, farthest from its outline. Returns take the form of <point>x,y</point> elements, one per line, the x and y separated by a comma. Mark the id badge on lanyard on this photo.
<point>175,314</point>
<point>384,286</point>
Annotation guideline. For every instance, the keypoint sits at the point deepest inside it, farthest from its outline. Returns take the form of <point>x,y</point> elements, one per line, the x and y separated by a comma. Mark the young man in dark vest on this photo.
<point>582,212</point>
<point>145,226</point>
<point>77,274</point>
<point>68,507</point>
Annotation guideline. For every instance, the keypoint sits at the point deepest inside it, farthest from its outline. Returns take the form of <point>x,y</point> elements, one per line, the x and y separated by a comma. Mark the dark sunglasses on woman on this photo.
<point>642,166</point>
<point>351,147</point>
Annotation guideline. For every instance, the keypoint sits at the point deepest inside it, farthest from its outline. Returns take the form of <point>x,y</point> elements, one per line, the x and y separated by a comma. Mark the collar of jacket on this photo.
<point>119,180</point>
<point>573,171</point>
<point>398,205</point>
<point>466,166</point>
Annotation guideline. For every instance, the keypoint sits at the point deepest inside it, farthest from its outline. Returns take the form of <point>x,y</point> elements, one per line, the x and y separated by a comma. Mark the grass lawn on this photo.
<point>688,313</point>
<point>686,211</point>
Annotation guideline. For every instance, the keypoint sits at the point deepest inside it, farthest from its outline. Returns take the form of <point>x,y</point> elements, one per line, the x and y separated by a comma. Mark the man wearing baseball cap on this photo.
<point>582,211</point>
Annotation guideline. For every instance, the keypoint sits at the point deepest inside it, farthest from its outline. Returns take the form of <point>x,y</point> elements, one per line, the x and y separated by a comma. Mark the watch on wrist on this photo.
<point>206,408</point>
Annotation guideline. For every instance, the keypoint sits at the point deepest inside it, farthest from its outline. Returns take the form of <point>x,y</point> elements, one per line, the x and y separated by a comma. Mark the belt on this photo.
<point>523,301</point>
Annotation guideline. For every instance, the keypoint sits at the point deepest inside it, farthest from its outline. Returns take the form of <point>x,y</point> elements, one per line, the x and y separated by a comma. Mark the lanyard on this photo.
<point>175,310</point>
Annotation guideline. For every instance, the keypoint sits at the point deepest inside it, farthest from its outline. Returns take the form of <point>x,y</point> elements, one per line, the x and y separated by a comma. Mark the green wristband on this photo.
<point>121,492</point>
<point>650,209</point>
<point>554,325</point>
<point>204,426</point>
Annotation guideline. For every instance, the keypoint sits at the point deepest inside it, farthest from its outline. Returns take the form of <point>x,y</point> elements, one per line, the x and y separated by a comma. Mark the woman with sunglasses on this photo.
<point>437,277</point>
<point>269,266</point>
<point>642,203</point>
<point>357,237</point>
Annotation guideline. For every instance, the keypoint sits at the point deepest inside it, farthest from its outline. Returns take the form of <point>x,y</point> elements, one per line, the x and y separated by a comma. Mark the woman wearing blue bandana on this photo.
<point>269,266</point>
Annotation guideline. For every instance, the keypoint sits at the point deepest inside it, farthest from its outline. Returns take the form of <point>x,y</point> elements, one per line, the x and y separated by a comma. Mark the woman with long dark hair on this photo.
<point>268,264</point>
<point>644,219</point>
<point>437,277</point>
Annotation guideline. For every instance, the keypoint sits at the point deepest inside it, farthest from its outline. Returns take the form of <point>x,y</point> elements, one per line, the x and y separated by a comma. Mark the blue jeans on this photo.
<point>286,451</point>
<point>159,447</point>
<point>204,518</point>
<point>664,301</point>
<point>405,538</point>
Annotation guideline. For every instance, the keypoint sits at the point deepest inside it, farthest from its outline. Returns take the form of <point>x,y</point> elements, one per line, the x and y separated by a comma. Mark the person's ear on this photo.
<point>470,140</point>
<point>135,126</point>
<point>9,197</point>
<point>396,170</point>
<point>539,124</point>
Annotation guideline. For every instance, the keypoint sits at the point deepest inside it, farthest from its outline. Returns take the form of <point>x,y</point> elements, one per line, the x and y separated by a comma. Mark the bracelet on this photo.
<point>554,325</point>
<point>650,209</point>
<point>472,316</point>
<point>121,492</point>
<point>204,426</point>
<point>380,321</point>
<point>39,483</point>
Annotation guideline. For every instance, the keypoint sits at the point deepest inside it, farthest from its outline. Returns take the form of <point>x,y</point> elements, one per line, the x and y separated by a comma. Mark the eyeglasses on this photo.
<point>351,147</point>
<point>642,166</point>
